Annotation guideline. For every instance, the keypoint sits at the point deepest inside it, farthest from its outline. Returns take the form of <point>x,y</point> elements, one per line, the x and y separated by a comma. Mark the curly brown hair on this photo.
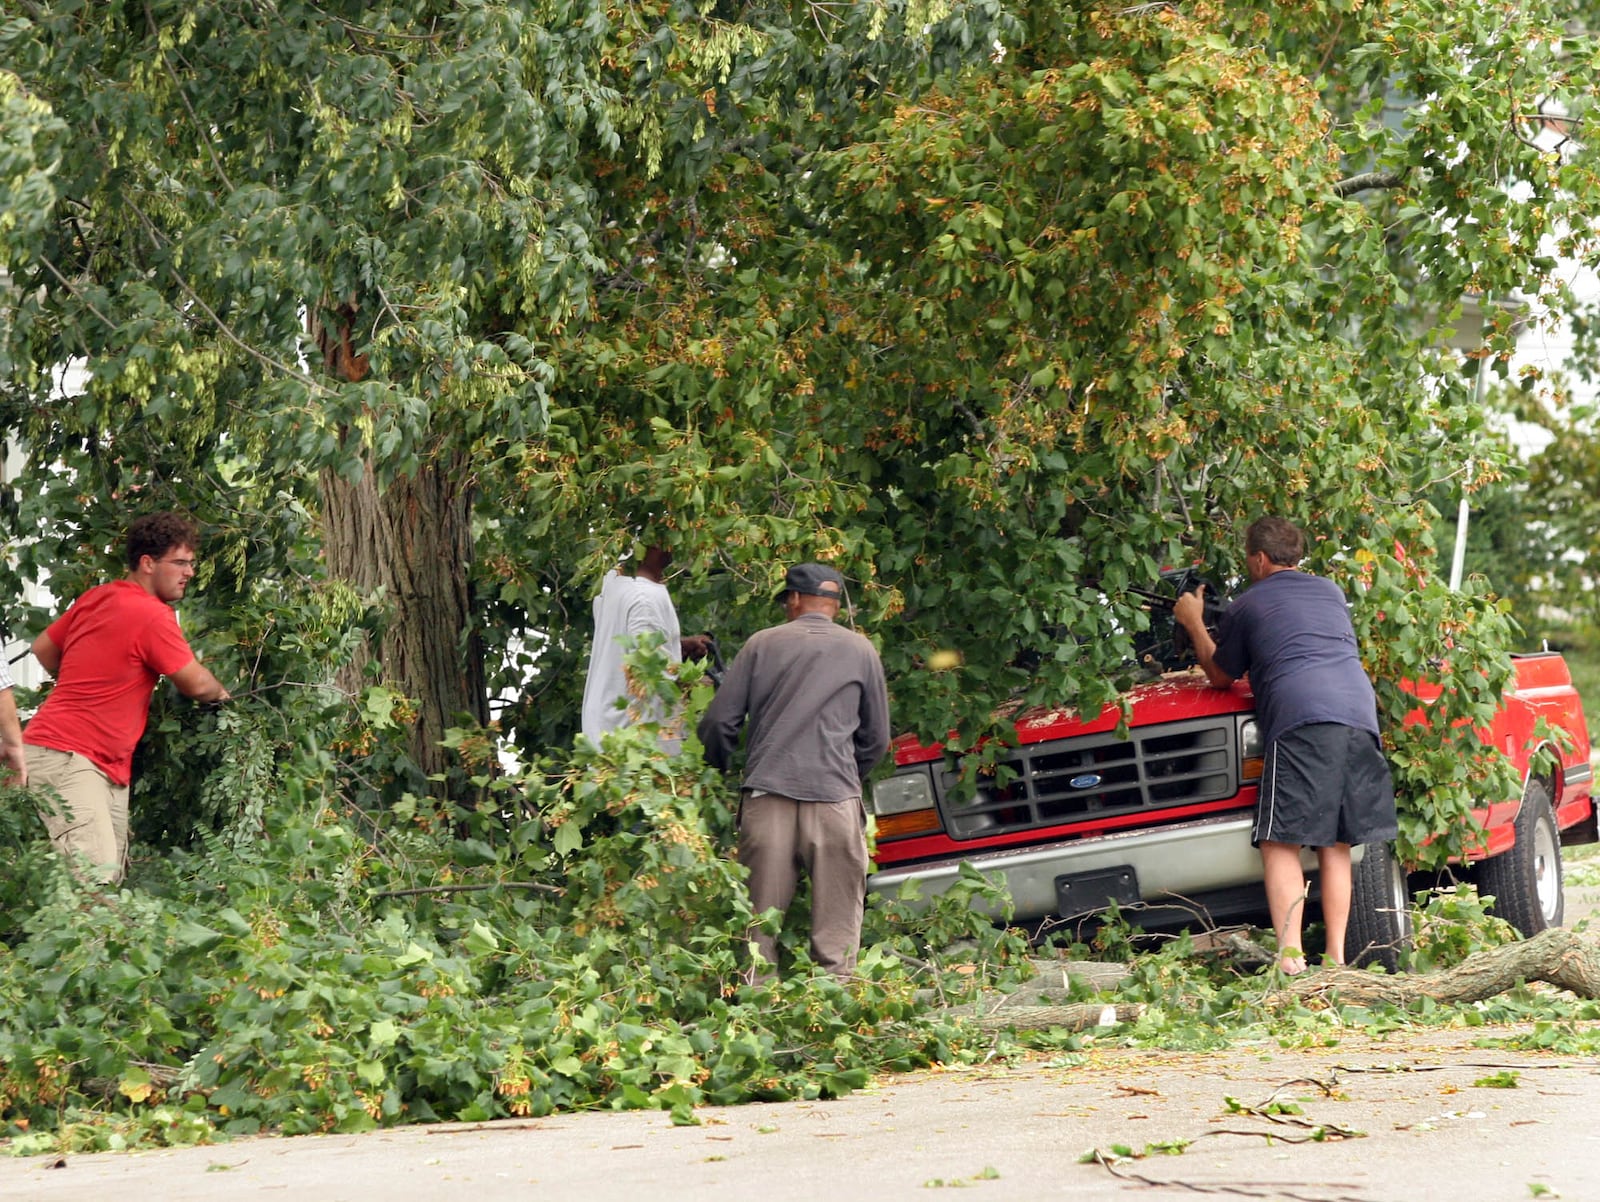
<point>155,534</point>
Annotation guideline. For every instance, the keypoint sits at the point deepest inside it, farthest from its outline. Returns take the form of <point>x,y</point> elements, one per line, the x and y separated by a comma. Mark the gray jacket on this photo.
<point>818,710</point>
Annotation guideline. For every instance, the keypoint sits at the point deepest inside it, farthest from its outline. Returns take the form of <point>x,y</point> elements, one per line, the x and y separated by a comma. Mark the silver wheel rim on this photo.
<point>1546,869</point>
<point>1398,897</point>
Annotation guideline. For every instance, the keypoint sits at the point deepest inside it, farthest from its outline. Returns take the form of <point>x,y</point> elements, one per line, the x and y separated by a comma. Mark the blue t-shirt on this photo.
<point>1291,634</point>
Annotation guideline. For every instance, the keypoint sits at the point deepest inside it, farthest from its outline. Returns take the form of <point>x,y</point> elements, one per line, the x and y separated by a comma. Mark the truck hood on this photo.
<point>1173,697</point>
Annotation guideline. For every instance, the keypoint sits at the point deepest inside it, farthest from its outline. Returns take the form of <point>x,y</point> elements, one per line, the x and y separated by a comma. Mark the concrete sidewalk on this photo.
<point>1429,1131</point>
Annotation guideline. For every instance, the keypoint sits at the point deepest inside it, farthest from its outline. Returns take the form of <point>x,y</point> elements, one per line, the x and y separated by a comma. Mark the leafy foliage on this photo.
<point>999,310</point>
<point>578,944</point>
<point>1076,313</point>
<point>1451,925</point>
<point>581,947</point>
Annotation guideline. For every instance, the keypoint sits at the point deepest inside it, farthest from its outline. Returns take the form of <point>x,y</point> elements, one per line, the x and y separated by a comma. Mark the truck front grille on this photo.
<point>1094,776</point>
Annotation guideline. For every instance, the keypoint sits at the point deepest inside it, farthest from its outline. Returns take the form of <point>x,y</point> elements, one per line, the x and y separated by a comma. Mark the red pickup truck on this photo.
<point>1077,815</point>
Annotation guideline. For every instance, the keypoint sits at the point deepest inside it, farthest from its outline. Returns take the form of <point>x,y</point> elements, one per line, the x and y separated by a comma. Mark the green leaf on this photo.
<point>567,839</point>
<point>193,936</point>
<point>384,1033</point>
<point>480,940</point>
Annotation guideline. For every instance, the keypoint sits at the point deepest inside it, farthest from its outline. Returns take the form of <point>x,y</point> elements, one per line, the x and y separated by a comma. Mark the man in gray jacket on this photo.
<point>818,713</point>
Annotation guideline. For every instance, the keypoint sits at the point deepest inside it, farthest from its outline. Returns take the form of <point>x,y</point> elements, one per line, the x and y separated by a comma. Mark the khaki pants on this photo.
<point>779,838</point>
<point>85,813</point>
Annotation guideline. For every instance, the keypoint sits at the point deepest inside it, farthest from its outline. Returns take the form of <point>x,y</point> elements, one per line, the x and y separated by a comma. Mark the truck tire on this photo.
<point>1526,880</point>
<point>1380,910</point>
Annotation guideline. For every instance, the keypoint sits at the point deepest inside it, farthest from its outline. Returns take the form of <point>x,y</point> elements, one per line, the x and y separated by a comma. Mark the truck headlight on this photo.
<point>903,805</point>
<point>902,793</point>
<point>1251,749</point>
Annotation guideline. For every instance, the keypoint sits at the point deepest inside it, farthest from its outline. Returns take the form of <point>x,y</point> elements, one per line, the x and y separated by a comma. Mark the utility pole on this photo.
<point>1458,561</point>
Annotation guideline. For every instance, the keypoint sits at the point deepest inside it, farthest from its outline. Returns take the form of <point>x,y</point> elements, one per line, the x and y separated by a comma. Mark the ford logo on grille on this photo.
<point>1087,781</point>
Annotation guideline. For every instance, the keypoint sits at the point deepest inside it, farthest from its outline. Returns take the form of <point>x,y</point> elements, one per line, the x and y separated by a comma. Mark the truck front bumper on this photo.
<point>1171,865</point>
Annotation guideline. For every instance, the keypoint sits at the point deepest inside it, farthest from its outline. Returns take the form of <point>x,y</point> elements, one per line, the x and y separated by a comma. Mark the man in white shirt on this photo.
<point>626,607</point>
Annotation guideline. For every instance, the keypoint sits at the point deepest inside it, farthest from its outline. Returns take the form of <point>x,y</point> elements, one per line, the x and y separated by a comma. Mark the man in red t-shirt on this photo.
<point>107,652</point>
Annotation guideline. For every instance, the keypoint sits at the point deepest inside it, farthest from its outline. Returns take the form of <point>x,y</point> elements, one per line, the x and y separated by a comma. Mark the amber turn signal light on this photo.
<point>917,822</point>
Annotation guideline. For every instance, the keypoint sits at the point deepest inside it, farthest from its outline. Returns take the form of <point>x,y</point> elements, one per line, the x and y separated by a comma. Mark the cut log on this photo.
<point>1094,975</point>
<point>1072,1016</point>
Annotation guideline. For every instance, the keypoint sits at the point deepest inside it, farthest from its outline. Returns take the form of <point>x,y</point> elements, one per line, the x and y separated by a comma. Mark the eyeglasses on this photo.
<point>179,563</point>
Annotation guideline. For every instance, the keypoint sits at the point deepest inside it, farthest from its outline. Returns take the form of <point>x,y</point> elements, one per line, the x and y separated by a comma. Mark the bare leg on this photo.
<point>1335,864</point>
<point>1286,899</point>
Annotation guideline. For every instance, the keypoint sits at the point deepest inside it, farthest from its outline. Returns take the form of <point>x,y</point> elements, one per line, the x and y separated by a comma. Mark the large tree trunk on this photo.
<point>415,541</point>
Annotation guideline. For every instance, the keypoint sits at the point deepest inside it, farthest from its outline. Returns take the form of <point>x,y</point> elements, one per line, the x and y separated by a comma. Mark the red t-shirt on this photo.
<point>116,642</point>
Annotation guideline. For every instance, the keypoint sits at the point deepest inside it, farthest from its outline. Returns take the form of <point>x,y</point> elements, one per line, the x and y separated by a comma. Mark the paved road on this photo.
<point>1401,1121</point>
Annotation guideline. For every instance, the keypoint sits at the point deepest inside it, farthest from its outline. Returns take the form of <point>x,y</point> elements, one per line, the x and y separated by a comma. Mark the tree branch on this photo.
<point>1369,180</point>
<point>422,889</point>
<point>223,328</point>
<point>183,97</point>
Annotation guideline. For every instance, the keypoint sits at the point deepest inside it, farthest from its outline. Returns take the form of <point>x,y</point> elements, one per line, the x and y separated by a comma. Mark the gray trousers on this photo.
<point>779,838</point>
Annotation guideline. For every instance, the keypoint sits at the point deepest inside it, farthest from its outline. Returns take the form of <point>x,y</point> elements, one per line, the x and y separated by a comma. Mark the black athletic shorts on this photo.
<point>1325,784</point>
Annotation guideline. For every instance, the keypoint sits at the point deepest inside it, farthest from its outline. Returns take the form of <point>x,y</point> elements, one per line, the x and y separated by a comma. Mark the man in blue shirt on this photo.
<point>1325,784</point>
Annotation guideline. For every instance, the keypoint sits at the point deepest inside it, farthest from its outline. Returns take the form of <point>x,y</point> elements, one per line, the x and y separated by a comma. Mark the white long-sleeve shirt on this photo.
<point>625,607</point>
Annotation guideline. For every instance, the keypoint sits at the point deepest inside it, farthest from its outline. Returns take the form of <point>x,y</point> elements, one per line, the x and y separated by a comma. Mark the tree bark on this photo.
<point>414,540</point>
<point>1072,1016</point>
<point>1556,956</point>
<point>1368,181</point>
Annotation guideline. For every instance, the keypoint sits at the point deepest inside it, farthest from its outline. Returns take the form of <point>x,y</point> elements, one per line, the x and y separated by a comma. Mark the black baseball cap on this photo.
<point>814,580</point>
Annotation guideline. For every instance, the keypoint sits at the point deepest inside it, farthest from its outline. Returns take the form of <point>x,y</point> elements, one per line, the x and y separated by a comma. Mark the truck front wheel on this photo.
<point>1526,881</point>
<point>1380,910</point>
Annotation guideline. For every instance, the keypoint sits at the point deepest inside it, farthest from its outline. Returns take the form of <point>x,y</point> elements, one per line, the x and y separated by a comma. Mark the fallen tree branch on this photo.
<point>1112,1166</point>
<point>1369,180</point>
<point>1557,956</point>
<point>162,1077</point>
<point>421,889</point>
<point>1037,1006</point>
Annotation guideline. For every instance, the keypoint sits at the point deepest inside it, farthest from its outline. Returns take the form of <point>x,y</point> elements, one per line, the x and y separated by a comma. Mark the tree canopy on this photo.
<point>428,311</point>
<point>1001,310</point>
<point>1080,310</point>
